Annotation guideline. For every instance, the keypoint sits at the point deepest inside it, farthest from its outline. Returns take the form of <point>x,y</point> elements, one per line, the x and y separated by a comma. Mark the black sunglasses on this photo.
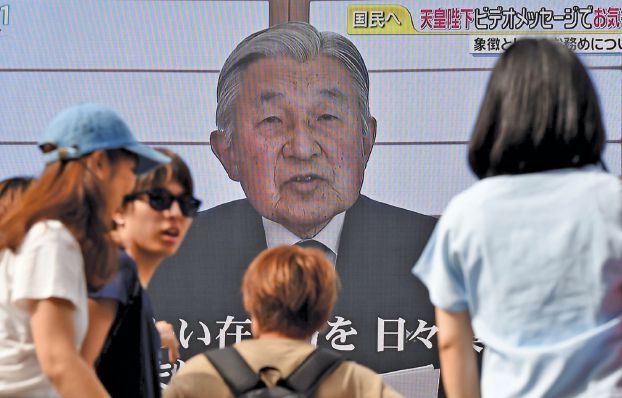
<point>161,199</point>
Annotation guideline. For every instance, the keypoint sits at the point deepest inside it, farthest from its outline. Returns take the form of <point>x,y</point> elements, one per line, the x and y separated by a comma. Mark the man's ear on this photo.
<point>99,164</point>
<point>369,139</point>
<point>223,149</point>
<point>118,219</point>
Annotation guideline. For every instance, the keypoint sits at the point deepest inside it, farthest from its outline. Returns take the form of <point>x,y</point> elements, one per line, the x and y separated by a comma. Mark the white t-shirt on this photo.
<point>48,264</point>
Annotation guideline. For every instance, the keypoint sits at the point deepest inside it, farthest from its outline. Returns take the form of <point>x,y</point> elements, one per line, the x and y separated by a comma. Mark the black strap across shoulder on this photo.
<point>234,370</point>
<point>312,371</point>
<point>305,379</point>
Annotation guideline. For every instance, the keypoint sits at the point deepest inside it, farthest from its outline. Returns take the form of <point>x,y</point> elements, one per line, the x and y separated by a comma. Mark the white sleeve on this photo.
<point>49,264</point>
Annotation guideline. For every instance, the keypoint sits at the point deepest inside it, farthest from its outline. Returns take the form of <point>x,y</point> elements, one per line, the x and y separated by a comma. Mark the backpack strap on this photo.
<point>234,370</point>
<point>312,371</point>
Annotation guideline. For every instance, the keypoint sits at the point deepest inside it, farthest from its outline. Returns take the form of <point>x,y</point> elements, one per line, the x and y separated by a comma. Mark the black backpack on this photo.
<point>244,383</point>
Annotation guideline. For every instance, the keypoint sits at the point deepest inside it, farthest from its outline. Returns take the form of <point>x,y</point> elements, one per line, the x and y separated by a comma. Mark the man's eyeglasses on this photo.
<point>161,199</point>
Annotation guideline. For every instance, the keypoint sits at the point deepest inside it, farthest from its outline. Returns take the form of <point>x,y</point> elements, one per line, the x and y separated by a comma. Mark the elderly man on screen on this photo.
<point>295,130</point>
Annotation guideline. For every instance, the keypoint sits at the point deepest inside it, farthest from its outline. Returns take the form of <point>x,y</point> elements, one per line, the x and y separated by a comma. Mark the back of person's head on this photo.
<point>69,190</point>
<point>11,191</point>
<point>540,112</point>
<point>290,290</point>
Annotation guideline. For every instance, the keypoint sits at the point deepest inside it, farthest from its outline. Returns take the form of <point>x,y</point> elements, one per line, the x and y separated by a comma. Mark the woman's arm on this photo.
<point>101,316</point>
<point>458,361</point>
<point>52,326</point>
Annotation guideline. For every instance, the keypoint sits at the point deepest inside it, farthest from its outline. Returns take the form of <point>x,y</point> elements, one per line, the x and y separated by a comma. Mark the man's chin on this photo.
<point>305,224</point>
<point>305,217</point>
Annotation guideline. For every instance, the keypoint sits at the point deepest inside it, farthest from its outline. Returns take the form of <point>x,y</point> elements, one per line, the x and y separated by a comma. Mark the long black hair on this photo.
<point>540,112</point>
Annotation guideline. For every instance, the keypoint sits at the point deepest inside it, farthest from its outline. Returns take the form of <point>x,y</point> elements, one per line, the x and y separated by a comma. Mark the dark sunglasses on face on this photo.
<point>161,199</point>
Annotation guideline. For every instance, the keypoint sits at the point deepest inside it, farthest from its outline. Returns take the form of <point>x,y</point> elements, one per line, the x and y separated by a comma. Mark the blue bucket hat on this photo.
<point>85,128</point>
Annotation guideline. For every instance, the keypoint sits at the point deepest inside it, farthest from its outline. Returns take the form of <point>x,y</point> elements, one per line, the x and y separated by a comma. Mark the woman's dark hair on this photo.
<point>177,170</point>
<point>540,112</point>
<point>69,192</point>
<point>11,191</point>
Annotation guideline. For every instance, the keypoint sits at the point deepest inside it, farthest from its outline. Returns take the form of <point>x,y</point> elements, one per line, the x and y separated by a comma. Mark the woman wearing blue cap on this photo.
<point>55,244</point>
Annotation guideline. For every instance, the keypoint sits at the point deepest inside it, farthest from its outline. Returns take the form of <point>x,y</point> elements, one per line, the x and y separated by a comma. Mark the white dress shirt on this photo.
<point>276,234</point>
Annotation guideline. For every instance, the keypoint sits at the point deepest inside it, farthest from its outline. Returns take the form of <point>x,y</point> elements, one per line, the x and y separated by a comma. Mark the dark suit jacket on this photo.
<point>378,247</point>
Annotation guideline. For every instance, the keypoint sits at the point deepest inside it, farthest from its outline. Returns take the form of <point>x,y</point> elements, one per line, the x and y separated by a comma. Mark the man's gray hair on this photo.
<point>297,40</point>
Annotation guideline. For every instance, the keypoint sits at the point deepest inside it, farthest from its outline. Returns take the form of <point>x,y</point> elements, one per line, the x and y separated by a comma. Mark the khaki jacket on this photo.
<point>198,378</point>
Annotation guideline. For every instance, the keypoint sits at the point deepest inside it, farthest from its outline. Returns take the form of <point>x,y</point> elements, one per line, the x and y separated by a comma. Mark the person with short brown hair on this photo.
<point>289,293</point>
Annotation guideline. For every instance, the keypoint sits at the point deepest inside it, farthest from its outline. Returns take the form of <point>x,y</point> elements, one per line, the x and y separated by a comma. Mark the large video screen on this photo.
<point>157,63</point>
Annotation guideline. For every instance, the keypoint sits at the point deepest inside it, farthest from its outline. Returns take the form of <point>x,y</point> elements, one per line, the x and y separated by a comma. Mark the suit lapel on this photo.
<point>349,245</point>
<point>251,237</point>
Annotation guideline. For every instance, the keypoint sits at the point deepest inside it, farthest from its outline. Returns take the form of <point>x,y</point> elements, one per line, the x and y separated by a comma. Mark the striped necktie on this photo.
<point>312,243</point>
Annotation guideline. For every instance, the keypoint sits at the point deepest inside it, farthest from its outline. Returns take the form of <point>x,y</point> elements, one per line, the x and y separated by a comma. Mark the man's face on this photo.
<point>298,147</point>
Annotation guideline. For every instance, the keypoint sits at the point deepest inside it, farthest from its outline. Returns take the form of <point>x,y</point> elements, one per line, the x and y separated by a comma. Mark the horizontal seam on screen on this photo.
<point>107,70</point>
<point>214,71</point>
<point>488,69</point>
<point>207,143</point>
